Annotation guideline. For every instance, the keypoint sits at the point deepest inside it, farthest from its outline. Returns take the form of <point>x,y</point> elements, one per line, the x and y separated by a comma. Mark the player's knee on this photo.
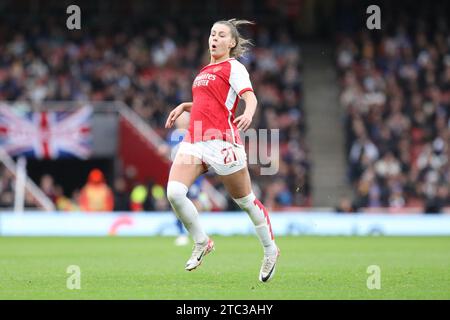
<point>176,192</point>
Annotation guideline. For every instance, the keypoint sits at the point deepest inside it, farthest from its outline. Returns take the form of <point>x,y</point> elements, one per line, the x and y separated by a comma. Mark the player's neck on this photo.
<point>220,59</point>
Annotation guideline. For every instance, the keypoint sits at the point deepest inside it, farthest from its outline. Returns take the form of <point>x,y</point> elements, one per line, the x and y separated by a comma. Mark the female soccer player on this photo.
<point>213,141</point>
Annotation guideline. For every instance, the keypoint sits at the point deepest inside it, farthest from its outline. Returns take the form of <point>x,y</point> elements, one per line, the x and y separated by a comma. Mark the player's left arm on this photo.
<point>245,119</point>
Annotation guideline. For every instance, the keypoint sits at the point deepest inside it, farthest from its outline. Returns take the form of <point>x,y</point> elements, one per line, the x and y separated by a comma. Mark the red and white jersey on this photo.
<point>216,92</point>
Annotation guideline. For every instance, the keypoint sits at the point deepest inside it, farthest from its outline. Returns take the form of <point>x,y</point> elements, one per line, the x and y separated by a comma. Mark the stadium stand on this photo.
<point>150,67</point>
<point>395,88</point>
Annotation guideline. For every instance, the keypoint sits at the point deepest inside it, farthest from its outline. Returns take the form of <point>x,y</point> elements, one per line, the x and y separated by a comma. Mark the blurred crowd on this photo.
<point>151,69</point>
<point>395,89</point>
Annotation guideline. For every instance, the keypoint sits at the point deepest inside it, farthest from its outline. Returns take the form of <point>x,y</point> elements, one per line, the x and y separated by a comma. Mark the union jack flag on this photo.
<point>46,135</point>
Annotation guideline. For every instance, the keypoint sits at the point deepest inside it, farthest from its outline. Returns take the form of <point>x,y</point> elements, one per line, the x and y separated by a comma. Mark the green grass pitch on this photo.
<point>153,268</point>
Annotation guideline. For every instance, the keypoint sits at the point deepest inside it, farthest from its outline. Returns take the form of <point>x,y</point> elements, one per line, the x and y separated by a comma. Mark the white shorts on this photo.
<point>222,156</point>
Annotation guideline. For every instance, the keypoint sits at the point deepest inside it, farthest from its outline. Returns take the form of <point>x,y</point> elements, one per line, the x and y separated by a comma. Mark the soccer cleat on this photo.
<point>268,267</point>
<point>198,253</point>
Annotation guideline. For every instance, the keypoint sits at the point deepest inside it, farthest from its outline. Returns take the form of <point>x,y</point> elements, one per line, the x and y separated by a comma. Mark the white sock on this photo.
<point>260,218</point>
<point>185,210</point>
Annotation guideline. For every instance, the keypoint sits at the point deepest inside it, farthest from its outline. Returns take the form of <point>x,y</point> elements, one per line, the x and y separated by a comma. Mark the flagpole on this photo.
<point>19,195</point>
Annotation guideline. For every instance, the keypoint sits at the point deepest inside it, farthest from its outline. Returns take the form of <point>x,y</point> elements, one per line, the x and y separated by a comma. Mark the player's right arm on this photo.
<point>175,113</point>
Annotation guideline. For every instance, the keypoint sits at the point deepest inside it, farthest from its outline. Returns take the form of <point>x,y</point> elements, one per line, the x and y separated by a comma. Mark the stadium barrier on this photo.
<point>224,223</point>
